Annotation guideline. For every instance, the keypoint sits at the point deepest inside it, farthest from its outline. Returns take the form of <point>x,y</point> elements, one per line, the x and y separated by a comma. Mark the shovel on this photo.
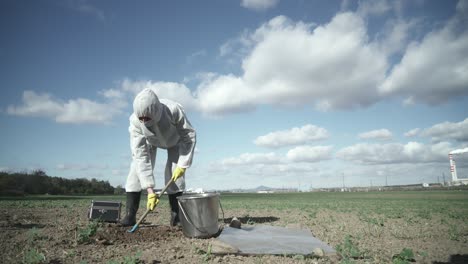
<point>135,227</point>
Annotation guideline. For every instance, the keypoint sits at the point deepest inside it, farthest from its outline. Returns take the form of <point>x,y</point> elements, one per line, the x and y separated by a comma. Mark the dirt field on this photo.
<point>49,232</point>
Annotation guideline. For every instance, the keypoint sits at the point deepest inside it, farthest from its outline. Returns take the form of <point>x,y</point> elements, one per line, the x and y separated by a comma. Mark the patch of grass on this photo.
<point>206,255</point>
<point>134,259</point>
<point>424,214</point>
<point>33,256</point>
<point>402,234</point>
<point>453,232</point>
<point>349,250</point>
<point>313,214</point>
<point>372,220</point>
<point>404,257</point>
<point>395,214</point>
<point>35,234</point>
<point>86,233</point>
<point>70,254</point>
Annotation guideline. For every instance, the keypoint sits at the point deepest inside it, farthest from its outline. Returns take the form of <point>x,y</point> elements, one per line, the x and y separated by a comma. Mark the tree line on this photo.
<point>37,182</point>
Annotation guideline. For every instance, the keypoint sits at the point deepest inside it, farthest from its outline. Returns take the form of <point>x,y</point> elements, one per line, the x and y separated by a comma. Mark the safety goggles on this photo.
<point>144,118</point>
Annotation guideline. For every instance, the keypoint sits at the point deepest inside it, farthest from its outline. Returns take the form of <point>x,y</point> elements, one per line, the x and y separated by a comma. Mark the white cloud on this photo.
<point>327,66</point>
<point>36,105</point>
<point>113,94</point>
<point>301,154</point>
<point>448,131</point>
<point>252,158</point>
<point>259,4</point>
<point>462,8</point>
<point>412,152</point>
<point>395,35</point>
<point>375,7</point>
<point>380,134</point>
<point>436,68</point>
<point>168,90</point>
<point>235,49</point>
<point>225,94</point>
<point>309,153</point>
<point>75,111</point>
<point>293,136</point>
<point>81,167</point>
<point>413,132</point>
<point>333,66</point>
<point>192,58</point>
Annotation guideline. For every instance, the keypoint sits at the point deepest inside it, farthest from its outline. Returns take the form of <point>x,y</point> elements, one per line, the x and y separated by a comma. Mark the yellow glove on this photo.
<point>153,200</point>
<point>178,172</point>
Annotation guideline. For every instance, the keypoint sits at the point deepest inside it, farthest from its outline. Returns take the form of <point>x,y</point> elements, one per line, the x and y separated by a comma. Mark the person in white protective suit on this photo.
<point>157,124</point>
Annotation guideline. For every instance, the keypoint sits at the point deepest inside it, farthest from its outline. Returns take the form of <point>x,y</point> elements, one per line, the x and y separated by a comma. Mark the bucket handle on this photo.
<point>190,221</point>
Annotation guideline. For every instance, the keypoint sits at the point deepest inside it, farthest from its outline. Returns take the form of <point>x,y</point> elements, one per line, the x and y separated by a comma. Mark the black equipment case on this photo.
<point>107,211</point>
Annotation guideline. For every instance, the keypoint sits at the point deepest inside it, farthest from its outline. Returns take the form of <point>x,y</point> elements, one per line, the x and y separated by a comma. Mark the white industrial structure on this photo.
<point>453,167</point>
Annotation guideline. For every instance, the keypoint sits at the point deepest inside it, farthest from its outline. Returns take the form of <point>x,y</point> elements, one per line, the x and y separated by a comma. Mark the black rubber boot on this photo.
<point>133,202</point>
<point>175,220</point>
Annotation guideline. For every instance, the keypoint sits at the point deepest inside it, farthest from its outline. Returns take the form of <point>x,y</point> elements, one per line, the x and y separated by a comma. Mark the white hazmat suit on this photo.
<point>168,129</point>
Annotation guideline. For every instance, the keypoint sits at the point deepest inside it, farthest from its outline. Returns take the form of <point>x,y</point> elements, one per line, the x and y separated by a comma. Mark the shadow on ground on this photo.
<point>253,220</point>
<point>455,259</point>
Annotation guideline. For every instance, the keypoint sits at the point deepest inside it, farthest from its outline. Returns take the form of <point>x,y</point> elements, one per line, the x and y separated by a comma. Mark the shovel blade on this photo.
<point>133,229</point>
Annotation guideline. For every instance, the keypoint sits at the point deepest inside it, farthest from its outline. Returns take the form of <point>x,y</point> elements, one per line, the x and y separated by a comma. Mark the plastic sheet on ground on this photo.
<point>264,239</point>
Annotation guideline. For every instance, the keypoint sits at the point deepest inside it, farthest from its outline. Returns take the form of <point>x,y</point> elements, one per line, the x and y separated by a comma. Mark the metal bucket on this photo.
<point>198,214</point>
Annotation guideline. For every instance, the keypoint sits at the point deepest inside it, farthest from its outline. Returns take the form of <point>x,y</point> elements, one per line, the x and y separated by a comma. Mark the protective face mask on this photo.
<point>148,123</point>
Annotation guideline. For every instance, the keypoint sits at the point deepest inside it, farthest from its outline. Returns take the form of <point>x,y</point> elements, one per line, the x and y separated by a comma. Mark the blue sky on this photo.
<point>281,93</point>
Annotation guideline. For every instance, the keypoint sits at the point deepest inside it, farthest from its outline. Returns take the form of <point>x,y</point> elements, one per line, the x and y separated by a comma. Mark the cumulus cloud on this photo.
<point>74,111</point>
<point>327,66</point>
<point>219,95</point>
<point>434,69</point>
<point>395,36</point>
<point>300,154</point>
<point>252,158</point>
<point>113,94</point>
<point>412,152</point>
<point>380,134</point>
<point>259,5</point>
<point>169,90</point>
<point>80,167</point>
<point>235,49</point>
<point>413,132</point>
<point>377,7</point>
<point>337,66</point>
<point>457,131</point>
<point>309,153</point>
<point>293,136</point>
<point>331,66</point>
